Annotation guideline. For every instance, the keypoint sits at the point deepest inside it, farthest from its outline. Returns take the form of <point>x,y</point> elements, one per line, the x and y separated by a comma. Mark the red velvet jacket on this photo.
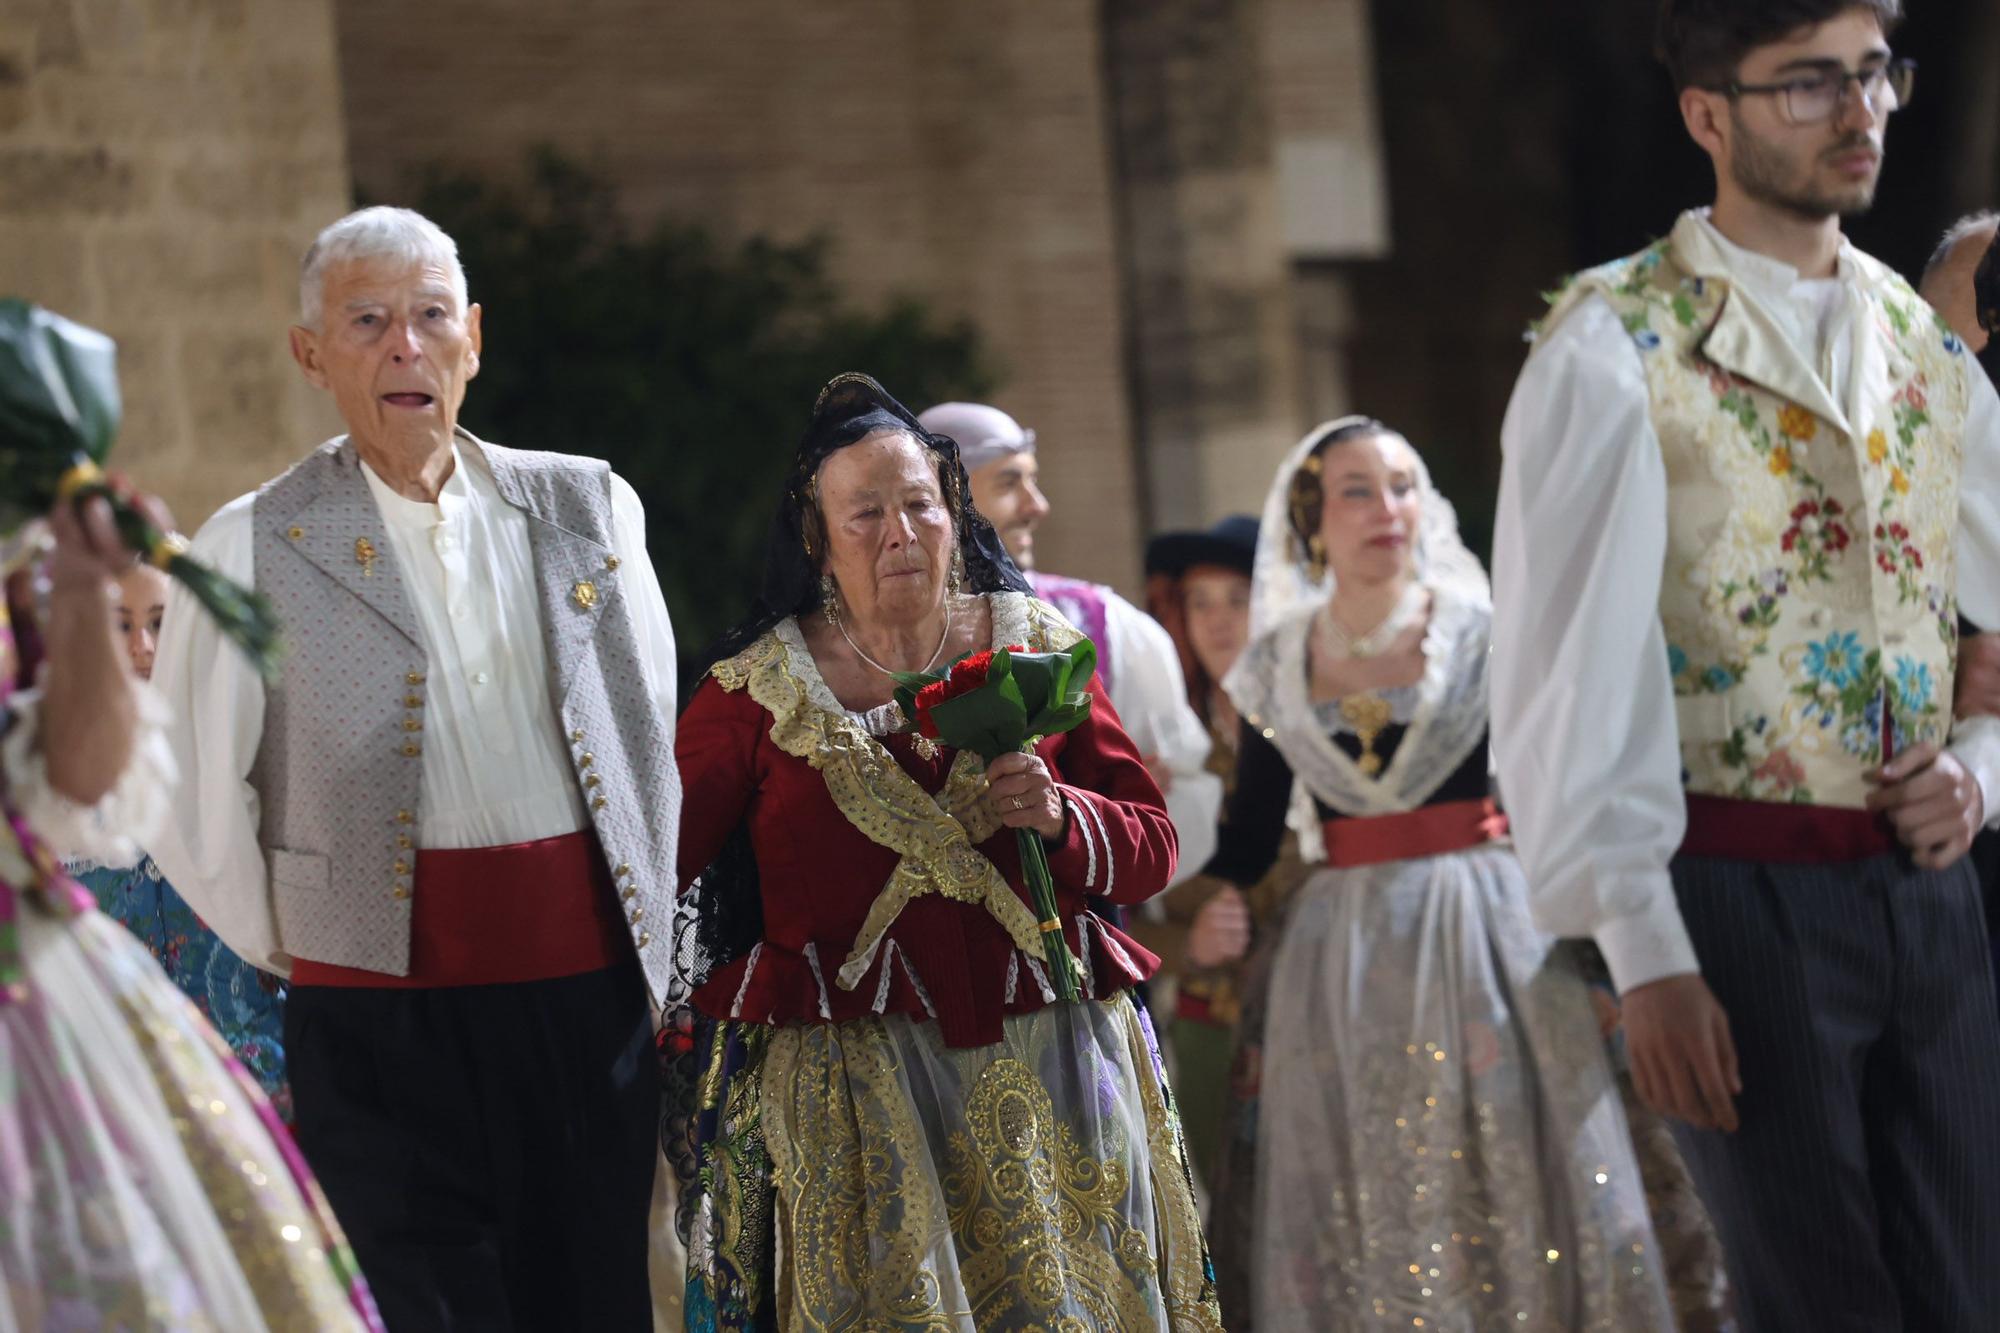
<point>943,959</point>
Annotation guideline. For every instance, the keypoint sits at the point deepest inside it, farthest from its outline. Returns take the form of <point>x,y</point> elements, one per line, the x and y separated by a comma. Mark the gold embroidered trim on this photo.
<point>1015,1211</point>
<point>1187,1284</point>
<point>937,837</point>
<point>856,1223</point>
<point>1045,1213</point>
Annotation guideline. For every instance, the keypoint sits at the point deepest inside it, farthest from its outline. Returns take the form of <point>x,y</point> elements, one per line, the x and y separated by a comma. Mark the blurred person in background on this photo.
<point>245,1005</point>
<point>1135,657</point>
<point>1205,926</point>
<point>1962,283</point>
<point>1437,1142</point>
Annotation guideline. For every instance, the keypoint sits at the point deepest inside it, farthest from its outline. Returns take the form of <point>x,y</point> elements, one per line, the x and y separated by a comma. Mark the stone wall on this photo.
<point>1246,143</point>
<point>163,164</point>
<point>953,152</point>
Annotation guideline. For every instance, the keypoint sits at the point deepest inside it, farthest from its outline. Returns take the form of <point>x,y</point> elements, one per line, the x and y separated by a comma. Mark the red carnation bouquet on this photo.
<point>1002,702</point>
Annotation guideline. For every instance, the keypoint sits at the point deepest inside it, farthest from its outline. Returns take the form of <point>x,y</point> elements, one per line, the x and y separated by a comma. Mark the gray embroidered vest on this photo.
<point>338,772</point>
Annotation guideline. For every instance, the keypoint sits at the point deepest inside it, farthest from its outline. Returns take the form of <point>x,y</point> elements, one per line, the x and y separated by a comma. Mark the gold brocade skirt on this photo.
<point>1038,1183</point>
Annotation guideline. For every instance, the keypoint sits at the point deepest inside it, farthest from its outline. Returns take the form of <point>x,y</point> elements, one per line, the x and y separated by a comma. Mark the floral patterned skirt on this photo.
<point>145,1183</point>
<point>865,1176</point>
<point>245,1006</point>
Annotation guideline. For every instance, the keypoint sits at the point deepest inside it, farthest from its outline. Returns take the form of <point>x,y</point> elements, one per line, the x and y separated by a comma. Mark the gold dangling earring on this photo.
<point>829,600</point>
<point>955,581</point>
<point>1316,556</point>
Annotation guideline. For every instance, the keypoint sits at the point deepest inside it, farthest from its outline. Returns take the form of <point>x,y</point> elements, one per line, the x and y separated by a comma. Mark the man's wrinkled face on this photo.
<point>395,349</point>
<point>1007,493</point>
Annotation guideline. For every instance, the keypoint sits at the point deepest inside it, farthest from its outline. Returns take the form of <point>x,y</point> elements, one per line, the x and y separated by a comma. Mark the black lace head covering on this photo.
<point>851,408</point>
<point>721,916</point>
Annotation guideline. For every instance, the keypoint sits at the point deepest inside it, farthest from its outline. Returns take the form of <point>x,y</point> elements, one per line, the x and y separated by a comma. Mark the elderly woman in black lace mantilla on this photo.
<point>898,1125</point>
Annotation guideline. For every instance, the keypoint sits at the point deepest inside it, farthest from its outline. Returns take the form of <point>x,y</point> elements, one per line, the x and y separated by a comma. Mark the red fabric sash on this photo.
<point>1430,830</point>
<point>1777,831</point>
<point>487,916</point>
<point>1193,1009</point>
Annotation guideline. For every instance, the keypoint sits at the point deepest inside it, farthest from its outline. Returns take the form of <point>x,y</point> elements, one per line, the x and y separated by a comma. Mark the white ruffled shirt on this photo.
<point>1578,548</point>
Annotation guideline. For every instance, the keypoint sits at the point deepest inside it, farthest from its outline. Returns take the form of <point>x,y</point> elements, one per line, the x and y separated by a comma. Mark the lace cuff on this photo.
<point>112,830</point>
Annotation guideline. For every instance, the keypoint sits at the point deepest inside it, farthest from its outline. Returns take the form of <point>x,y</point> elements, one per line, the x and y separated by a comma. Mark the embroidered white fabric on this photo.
<point>1270,686</point>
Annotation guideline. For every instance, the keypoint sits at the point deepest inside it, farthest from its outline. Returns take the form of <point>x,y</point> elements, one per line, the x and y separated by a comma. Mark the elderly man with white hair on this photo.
<point>451,822</point>
<point>1951,281</point>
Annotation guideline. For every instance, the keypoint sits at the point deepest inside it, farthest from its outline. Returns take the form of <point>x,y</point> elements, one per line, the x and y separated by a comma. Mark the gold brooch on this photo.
<point>364,551</point>
<point>585,593</point>
<point>1369,715</point>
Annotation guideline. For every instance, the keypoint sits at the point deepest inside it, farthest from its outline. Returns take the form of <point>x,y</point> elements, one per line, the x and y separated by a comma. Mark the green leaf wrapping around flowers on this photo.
<point>986,722</point>
<point>1025,695</point>
<point>59,410</point>
<point>59,405</point>
<point>1053,687</point>
<point>245,617</point>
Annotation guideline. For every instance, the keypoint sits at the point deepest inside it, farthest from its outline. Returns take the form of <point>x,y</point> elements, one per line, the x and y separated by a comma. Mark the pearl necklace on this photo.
<point>1375,641</point>
<point>840,623</point>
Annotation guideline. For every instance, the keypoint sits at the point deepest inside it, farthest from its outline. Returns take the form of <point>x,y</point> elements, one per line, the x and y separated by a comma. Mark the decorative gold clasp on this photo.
<point>584,594</point>
<point>364,553</point>
<point>1369,715</point>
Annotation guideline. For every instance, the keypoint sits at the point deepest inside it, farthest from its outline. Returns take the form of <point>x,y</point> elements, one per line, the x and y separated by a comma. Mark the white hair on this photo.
<point>376,233</point>
<point>1973,224</point>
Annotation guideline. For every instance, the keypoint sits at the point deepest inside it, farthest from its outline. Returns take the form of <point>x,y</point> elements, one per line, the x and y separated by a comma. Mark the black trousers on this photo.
<point>1985,860</point>
<point>489,1150</point>
<point>1862,1191</point>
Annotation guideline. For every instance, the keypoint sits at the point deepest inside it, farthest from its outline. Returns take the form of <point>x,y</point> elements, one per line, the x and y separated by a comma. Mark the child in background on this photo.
<point>242,1003</point>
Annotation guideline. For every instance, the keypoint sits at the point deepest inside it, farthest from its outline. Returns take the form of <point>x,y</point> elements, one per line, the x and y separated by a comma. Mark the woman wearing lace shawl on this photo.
<point>145,1182</point>
<point>895,1123</point>
<point>1439,1139</point>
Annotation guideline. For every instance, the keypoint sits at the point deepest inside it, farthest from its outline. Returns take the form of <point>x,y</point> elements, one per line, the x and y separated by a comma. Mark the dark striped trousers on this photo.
<point>1862,1191</point>
<point>1985,860</point>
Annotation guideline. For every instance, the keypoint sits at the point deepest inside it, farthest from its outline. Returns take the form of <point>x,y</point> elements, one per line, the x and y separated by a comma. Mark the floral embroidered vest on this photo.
<point>1809,594</point>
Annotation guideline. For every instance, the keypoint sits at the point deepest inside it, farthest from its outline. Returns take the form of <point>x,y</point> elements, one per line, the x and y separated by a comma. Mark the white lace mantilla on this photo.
<point>1271,688</point>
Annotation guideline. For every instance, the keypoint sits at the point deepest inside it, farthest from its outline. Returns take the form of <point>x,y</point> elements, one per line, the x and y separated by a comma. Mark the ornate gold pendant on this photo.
<point>1368,714</point>
<point>364,553</point>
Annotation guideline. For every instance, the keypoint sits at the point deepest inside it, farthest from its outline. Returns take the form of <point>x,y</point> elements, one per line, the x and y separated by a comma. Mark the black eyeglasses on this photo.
<point>1819,96</point>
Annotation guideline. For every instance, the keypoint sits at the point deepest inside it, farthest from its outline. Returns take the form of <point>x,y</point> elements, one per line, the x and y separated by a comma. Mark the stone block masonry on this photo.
<point>163,165</point>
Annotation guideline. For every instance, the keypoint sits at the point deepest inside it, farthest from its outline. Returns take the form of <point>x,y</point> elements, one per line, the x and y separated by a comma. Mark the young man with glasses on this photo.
<point>1728,567</point>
